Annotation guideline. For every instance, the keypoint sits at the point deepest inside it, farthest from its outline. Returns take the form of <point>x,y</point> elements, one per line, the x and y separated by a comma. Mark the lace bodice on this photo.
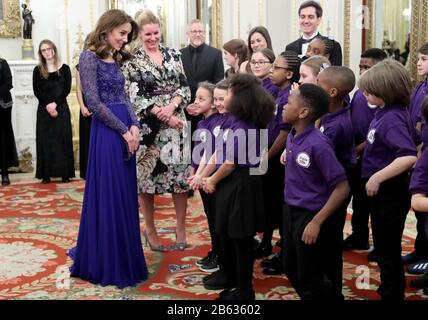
<point>103,84</point>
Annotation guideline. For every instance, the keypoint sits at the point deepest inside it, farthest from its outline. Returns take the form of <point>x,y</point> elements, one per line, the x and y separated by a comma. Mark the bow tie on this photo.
<point>304,41</point>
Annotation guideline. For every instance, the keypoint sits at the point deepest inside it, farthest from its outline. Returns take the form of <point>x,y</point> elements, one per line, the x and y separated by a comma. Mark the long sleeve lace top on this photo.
<point>103,84</point>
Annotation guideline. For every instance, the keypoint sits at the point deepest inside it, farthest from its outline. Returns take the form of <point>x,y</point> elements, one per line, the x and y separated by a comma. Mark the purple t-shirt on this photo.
<point>362,114</point>
<point>415,109</point>
<point>220,144</point>
<point>312,170</point>
<point>205,137</point>
<point>276,125</point>
<point>419,181</point>
<point>337,127</point>
<point>270,87</point>
<point>390,136</point>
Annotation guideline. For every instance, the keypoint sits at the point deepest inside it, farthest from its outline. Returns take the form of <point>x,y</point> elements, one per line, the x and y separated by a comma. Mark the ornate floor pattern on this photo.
<point>39,224</point>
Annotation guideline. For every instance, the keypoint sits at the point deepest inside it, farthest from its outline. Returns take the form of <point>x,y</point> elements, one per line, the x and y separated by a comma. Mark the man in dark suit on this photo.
<point>201,62</point>
<point>310,15</point>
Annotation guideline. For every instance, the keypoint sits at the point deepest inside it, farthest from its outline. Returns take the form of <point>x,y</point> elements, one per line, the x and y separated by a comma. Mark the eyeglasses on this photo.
<point>260,63</point>
<point>197,31</point>
<point>46,50</point>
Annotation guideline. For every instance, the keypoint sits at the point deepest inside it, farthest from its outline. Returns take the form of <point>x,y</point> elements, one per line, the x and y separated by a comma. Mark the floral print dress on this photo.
<point>163,159</point>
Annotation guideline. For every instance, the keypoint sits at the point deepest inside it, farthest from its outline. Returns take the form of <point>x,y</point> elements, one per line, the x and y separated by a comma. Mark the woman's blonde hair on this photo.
<point>142,18</point>
<point>109,21</point>
<point>389,81</point>
<point>316,64</point>
<point>43,68</point>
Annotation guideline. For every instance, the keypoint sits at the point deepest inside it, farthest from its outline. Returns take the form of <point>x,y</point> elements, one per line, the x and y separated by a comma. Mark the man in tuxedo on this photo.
<point>201,62</point>
<point>310,16</point>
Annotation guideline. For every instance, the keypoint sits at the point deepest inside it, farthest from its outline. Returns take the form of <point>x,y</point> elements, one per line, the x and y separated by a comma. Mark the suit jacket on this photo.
<point>210,67</point>
<point>335,59</point>
<point>5,81</point>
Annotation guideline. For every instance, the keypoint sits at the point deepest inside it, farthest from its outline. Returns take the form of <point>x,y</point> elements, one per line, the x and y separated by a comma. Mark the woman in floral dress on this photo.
<point>159,92</point>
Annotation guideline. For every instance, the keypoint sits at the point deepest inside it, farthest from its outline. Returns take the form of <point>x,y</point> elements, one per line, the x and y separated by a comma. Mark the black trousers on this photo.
<point>389,210</point>
<point>360,204</point>
<point>208,201</point>
<point>421,242</point>
<point>304,264</point>
<point>333,254</point>
<point>273,192</point>
<point>236,259</point>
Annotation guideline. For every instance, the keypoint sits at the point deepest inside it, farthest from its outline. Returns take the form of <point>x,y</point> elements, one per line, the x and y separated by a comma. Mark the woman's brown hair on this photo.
<point>43,68</point>
<point>237,46</point>
<point>109,21</point>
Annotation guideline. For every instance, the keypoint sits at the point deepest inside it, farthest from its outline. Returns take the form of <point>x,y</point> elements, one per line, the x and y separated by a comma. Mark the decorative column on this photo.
<point>419,34</point>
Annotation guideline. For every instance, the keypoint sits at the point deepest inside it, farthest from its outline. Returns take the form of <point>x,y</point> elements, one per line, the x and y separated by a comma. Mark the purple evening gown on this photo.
<point>109,249</point>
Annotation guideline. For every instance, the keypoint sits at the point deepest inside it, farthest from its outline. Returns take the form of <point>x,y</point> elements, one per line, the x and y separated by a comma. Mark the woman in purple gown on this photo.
<point>109,250</point>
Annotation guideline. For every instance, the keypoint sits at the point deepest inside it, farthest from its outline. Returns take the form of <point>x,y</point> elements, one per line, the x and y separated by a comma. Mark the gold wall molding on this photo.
<point>419,33</point>
<point>369,26</point>
<point>10,25</point>
<point>217,27</point>
<point>347,32</point>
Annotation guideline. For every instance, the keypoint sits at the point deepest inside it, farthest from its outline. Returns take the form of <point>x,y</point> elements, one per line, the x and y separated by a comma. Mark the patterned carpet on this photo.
<point>39,224</point>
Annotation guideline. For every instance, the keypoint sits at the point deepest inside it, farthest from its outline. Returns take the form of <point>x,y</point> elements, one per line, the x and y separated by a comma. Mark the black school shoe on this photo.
<point>261,250</point>
<point>232,295</point>
<point>219,281</point>
<point>351,243</point>
<point>420,282</point>
<point>5,180</point>
<point>425,291</point>
<point>273,266</point>
<point>210,265</point>
<point>204,259</point>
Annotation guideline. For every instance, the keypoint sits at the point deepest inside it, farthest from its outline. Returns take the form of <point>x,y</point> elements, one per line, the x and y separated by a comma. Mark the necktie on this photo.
<point>195,59</point>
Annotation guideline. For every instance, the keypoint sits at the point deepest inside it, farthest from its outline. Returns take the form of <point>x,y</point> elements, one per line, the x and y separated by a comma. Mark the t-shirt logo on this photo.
<point>203,136</point>
<point>322,129</point>
<point>303,160</point>
<point>371,106</point>
<point>216,131</point>
<point>226,135</point>
<point>371,136</point>
<point>276,110</point>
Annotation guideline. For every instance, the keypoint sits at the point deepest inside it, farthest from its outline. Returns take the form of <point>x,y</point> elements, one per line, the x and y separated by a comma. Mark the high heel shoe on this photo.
<point>178,246</point>
<point>159,248</point>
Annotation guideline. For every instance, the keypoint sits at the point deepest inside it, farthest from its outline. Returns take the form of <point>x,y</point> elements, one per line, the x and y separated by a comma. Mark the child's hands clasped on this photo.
<point>209,186</point>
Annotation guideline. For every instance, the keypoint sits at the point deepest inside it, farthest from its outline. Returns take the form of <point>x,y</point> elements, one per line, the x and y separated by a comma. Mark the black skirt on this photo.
<point>239,205</point>
<point>8,154</point>
<point>84,135</point>
<point>54,144</point>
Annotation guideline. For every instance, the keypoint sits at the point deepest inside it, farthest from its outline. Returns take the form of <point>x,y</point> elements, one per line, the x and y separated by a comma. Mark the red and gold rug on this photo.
<point>39,224</point>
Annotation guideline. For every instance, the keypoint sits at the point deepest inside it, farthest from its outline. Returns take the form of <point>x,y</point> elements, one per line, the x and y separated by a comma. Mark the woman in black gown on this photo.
<point>85,121</point>
<point>8,156</point>
<point>54,142</point>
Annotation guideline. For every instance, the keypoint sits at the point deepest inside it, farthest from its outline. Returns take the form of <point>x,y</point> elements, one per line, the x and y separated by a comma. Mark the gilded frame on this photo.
<point>216,22</point>
<point>10,23</point>
<point>418,34</point>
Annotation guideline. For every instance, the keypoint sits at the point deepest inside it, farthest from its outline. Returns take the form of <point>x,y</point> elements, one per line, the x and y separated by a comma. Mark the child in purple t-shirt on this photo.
<point>204,140</point>
<point>338,82</point>
<point>419,191</point>
<point>284,72</point>
<point>389,155</point>
<point>416,105</point>
<point>362,114</point>
<point>315,187</point>
<point>239,192</point>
